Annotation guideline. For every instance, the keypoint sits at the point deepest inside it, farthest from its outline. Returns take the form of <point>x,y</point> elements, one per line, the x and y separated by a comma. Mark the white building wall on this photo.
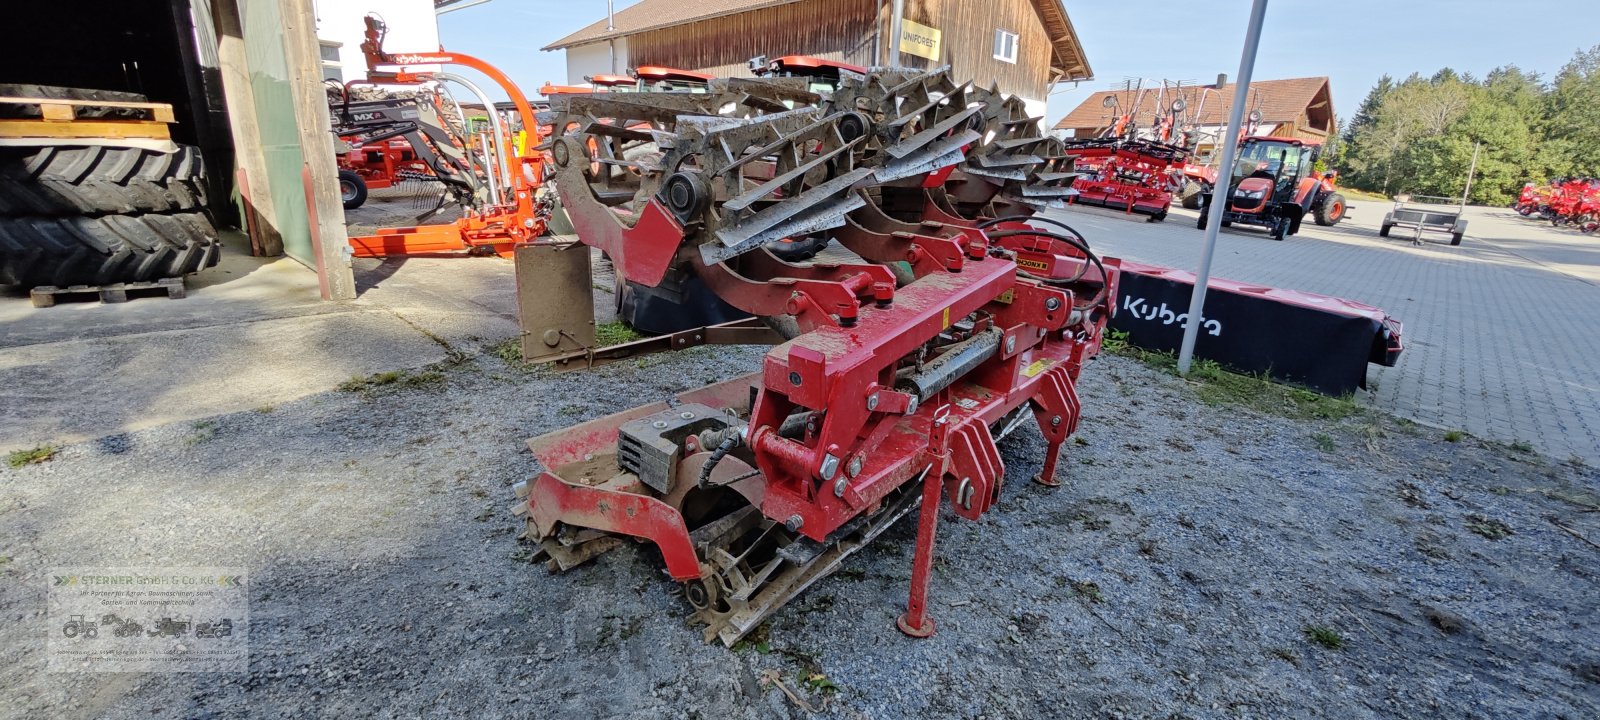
<point>412,28</point>
<point>595,59</point>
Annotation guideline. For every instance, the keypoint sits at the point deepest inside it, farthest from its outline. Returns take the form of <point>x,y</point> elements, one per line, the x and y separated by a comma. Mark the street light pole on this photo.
<point>1219,192</point>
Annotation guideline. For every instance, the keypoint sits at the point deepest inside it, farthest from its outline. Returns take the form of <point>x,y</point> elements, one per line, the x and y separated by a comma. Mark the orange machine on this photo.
<point>513,213</point>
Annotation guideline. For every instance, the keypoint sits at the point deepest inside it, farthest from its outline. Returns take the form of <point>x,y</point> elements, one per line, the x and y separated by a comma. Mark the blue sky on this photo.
<point>1352,42</point>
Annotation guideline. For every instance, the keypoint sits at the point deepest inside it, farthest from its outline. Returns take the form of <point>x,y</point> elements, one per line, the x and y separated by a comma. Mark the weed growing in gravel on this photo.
<point>1489,527</point>
<point>40,454</point>
<point>265,410</point>
<point>392,380</point>
<point>1521,446</point>
<point>614,333</point>
<point>1089,590</point>
<point>1453,435</point>
<point>1324,442</point>
<point>203,431</point>
<point>1325,636</point>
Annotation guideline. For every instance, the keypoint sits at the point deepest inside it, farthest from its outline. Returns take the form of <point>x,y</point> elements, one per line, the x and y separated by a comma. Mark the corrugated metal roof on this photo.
<point>1279,101</point>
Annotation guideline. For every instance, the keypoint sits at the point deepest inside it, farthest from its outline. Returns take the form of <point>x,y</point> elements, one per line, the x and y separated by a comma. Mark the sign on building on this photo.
<point>919,40</point>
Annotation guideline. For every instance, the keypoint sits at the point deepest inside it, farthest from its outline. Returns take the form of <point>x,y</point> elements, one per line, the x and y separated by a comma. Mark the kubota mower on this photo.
<point>956,319</point>
<point>1274,185</point>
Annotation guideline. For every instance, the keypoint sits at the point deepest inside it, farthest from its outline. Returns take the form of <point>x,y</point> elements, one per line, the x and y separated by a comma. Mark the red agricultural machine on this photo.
<point>1135,176</point>
<point>1573,202</point>
<point>509,209</point>
<point>1275,185</point>
<point>395,140</point>
<point>950,317</point>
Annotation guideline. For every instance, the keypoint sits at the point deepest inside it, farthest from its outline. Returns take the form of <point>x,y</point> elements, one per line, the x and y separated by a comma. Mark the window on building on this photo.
<point>1005,46</point>
<point>331,68</point>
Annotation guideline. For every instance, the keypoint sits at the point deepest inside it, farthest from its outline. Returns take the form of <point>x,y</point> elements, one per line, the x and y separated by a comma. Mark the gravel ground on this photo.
<point>1176,575</point>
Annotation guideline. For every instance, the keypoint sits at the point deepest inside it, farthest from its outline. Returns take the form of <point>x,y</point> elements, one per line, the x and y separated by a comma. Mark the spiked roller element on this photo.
<point>952,318</point>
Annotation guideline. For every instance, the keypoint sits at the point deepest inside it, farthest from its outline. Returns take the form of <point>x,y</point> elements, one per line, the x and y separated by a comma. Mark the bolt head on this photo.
<point>794,379</point>
<point>839,486</point>
<point>1055,420</point>
<point>872,401</point>
<point>1011,344</point>
<point>794,522</point>
<point>686,415</point>
<point>659,424</point>
<point>1052,303</point>
<point>854,468</point>
<point>830,466</point>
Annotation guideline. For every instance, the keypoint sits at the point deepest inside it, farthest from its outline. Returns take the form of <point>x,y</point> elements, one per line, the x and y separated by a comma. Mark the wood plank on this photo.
<point>83,103</point>
<point>54,112</point>
<point>20,128</point>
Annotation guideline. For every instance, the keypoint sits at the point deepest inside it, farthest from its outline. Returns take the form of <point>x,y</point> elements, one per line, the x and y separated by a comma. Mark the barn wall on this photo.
<point>967,45</point>
<point>831,29</point>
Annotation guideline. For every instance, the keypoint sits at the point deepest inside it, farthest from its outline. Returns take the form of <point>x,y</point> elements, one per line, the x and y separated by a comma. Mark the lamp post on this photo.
<point>1219,194</point>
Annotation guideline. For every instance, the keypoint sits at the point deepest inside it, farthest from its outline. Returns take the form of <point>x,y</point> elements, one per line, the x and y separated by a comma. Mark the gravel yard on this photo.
<point>1205,560</point>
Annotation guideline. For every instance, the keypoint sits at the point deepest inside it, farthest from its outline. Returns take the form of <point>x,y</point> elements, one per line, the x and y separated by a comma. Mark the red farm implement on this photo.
<point>1135,176</point>
<point>1571,202</point>
<point>956,318</point>
<point>506,207</point>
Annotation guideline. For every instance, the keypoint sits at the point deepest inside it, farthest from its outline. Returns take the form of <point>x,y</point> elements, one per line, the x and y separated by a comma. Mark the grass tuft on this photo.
<point>1453,435</point>
<point>1218,386</point>
<point>1325,636</point>
<point>614,333</point>
<point>20,458</point>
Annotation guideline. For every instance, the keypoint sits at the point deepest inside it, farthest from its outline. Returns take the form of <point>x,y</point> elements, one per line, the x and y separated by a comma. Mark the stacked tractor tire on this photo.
<point>78,211</point>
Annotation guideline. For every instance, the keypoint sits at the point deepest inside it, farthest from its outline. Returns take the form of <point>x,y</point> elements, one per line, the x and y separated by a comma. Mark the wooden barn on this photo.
<point>1025,46</point>
<point>1295,107</point>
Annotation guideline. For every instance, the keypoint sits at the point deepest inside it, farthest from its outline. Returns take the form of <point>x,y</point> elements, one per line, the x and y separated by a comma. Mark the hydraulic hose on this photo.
<point>1079,244</point>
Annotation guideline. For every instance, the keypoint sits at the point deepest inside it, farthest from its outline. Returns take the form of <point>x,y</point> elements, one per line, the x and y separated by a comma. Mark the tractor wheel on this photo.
<point>352,189</point>
<point>103,250</point>
<point>1388,224</point>
<point>1331,211</point>
<point>1280,228</point>
<point>1227,223</point>
<point>1456,233</point>
<point>1201,223</point>
<point>1191,195</point>
<point>95,180</point>
<point>1158,217</point>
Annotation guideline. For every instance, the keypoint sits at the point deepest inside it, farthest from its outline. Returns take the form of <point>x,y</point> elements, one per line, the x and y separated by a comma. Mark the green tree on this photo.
<point>1573,113</point>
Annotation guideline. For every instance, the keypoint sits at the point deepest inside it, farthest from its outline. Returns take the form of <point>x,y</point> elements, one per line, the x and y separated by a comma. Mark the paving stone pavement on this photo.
<point>1502,333</point>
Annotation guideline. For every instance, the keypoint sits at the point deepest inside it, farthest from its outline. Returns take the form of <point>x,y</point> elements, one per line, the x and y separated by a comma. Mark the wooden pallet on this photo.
<point>46,295</point>
<point>59,119</point>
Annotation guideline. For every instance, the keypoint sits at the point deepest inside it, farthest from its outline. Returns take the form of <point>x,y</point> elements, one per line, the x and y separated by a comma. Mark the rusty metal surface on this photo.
<point>555,291</point>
